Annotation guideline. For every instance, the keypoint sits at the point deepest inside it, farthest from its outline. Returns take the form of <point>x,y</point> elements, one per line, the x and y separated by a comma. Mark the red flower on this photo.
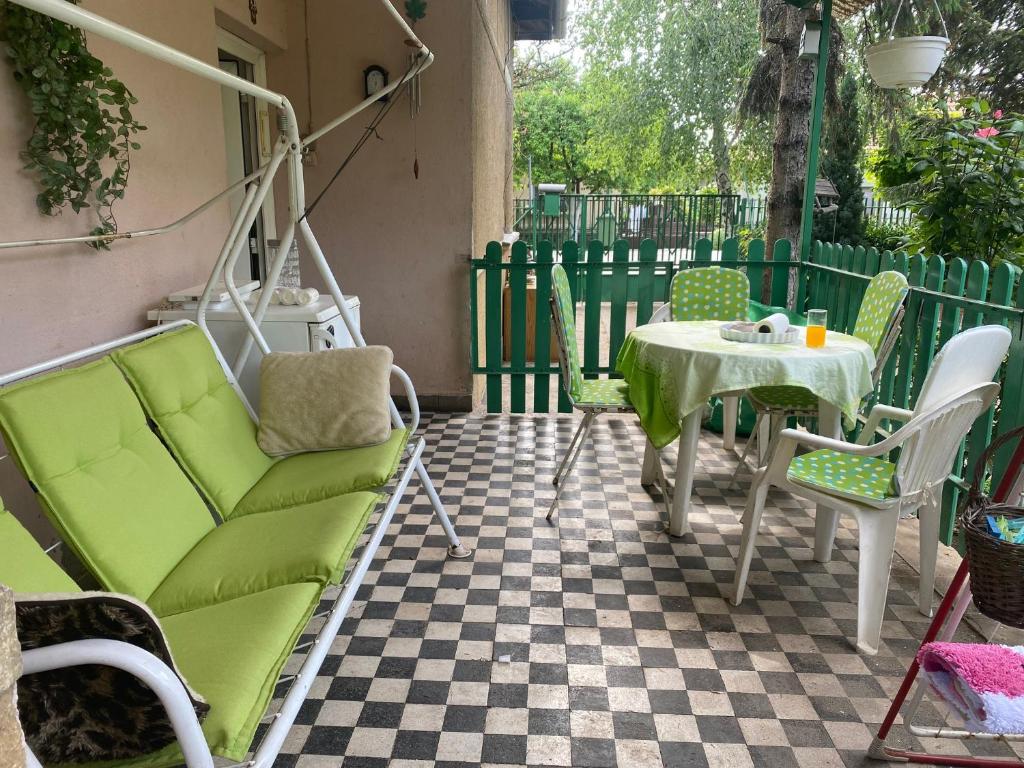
<point>986,133</point>
<point>997,114</point>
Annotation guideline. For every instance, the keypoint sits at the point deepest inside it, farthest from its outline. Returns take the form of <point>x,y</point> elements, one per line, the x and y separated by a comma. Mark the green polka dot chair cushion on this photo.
<point>709,293</point>
<point>565,319</point>
<point>604,393</point>
<point>883,297</point>
<point>785,397</point>
<point>860,478</point>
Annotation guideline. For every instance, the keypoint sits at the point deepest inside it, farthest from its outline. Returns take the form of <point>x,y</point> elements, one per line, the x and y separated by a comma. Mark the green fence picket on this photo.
<point>619,296</point>
<point>918,269</point>
<point>755,268</point>
<point>949,326</point>
<point>927,325</point>
<point>542,329</point>
<point>592,278</point>
<point>517,324</point>
<point>492,324</point>
<point>645,281</point>
<point>1012,395</point>
<point>570,261</point>
<point>778,292</point>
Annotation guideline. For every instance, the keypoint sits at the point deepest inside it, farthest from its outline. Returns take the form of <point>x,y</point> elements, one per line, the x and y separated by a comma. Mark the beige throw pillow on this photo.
<point>322,401</point>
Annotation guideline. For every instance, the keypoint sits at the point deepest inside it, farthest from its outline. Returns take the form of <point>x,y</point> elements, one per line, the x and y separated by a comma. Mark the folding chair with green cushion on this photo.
<point>706,293</point>
<point>878,324</point>
<point>211,431</point>
<point>230,653</point>
<point>592,397</point>
<point>120,501</point>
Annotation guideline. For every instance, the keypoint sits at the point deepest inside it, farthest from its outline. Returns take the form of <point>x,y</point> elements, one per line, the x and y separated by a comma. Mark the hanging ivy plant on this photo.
<point>415,10</point>
<point>81,145</point>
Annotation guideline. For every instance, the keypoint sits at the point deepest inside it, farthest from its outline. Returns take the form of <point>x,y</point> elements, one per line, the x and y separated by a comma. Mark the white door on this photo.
<point>247,145</point>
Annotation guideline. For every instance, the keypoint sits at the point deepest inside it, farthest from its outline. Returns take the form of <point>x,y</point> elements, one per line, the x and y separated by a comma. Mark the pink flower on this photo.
<point>997,114</point>
<point>986,133</point>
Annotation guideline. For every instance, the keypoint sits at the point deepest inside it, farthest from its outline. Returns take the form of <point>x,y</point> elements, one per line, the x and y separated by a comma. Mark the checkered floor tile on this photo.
<point>600,641</point>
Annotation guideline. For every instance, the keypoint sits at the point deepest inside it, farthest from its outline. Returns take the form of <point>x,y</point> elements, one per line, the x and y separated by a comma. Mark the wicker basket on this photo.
<point>996,566</point>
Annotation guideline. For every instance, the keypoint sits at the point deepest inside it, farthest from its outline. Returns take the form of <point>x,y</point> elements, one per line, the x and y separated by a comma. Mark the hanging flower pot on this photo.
<point>907,62</point>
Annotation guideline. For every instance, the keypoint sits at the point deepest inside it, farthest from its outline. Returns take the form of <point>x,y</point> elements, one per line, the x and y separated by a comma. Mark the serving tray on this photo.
<point>743,332</point>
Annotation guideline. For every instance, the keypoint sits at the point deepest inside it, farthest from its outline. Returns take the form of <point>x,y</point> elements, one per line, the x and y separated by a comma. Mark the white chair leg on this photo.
<point>928,533</point>
<point>455,548</point>
<point>877,541</point>
<point>751,523</point>
<point>569,451</point>
<point>826,523</point>
<point>751,440</point>
<point>730,409</point>
<point>649,469</point>
<point>764,438</point>
<point>588,421</point>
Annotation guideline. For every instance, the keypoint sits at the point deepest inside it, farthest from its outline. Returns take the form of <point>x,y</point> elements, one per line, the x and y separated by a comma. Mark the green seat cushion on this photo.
<point>232,653</point>
<point>249,554</point>
<point>310,477</point>
<point>24,567</point>
<point>786,397</point>
<point>183,389</point>
<point>861,478</point>
<point>109,486</point>
<point>606,393</point>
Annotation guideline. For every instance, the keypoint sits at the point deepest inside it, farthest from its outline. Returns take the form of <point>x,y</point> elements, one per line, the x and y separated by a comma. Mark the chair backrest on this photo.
<point>104,479</point>
<point>563,314</point>
<point>956,391</point>
<point>879,308</point>
<point>709,293</point>
<point>183,389</point>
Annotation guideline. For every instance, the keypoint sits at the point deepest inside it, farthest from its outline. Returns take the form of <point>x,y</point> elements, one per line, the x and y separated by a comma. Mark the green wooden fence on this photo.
<point>946,297</point>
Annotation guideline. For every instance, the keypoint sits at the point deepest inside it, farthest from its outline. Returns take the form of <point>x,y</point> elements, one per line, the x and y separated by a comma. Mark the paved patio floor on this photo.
<point>600,641</point>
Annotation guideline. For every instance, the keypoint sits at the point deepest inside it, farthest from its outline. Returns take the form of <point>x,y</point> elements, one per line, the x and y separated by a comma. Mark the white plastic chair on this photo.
<point>857,479</point>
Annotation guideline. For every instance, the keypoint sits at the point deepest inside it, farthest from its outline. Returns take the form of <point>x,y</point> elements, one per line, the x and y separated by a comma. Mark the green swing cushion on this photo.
<point>860,478</point>
<point>110,488</point>
<point>183,389</point>
<point>310,477</point>
<point>258,552</point>
<point>24,567</point>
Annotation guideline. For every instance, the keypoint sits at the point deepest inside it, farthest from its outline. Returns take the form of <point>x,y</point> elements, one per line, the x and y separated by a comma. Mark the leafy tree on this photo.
<point>842,153</point>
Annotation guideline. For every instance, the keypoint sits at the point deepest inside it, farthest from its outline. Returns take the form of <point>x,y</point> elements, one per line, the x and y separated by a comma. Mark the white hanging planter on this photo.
<point>906,62</point>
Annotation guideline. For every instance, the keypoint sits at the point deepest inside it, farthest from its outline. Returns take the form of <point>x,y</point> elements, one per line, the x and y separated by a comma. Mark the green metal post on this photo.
<point>817,110</point>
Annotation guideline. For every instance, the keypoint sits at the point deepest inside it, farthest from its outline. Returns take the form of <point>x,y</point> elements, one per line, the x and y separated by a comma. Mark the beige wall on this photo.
<point>402,244</point>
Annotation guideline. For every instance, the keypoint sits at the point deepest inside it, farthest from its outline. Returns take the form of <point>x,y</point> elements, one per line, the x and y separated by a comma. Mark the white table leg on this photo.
<point>826,519</point>
<point>730,407</point>
<point>689,436</point>
<point>648,472</point>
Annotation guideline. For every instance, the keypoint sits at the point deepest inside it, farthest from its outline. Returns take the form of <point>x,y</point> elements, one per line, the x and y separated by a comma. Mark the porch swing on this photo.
<point>296,521</point>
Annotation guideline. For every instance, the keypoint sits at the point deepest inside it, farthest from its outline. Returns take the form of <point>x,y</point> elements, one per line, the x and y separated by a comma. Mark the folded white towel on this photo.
<point>288,296</point>
<point>306,296</point>
<point>275,296</point>
<point>777,323</point>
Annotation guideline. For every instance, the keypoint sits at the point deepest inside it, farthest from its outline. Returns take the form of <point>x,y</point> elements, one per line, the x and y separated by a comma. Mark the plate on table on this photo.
<point>747,333</point>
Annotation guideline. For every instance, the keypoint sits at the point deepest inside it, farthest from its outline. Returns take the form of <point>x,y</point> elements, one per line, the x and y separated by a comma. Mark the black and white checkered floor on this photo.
<point>600,641</point>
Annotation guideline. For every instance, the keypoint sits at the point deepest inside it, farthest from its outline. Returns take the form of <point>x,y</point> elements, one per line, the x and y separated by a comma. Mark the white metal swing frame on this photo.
<point>288,151</point>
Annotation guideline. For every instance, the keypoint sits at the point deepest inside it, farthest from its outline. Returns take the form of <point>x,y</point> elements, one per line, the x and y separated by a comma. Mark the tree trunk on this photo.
<point>789,145</point>
<point>720,153</point>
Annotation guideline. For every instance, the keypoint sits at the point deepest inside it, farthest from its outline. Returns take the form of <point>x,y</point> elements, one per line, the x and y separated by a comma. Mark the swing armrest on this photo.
<point>414,403</point>
<point>875,417</point>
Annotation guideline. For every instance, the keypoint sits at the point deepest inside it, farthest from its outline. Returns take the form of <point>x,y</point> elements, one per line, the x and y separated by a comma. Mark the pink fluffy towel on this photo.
<point>984,684</point>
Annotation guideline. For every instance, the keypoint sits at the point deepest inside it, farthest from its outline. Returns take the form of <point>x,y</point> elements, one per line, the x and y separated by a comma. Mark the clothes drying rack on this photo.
<point>947,619</point>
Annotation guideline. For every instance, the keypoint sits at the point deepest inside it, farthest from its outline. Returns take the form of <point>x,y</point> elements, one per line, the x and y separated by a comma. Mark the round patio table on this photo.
<point>673,368</point>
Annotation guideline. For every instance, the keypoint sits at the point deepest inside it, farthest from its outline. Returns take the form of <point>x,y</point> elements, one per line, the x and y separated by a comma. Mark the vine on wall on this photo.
<point>81,144</point>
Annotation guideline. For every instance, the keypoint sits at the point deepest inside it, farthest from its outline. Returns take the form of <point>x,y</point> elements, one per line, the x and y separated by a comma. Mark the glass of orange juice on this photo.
<point>816,319</point>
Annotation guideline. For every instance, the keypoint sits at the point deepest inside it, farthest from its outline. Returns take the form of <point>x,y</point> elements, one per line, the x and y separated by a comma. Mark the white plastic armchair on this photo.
<point>928,444</point>
<point>662,314</point>
<point>143,665</point>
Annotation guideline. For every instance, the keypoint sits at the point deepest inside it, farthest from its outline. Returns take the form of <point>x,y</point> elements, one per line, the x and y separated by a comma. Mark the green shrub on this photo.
<point>885,236</point>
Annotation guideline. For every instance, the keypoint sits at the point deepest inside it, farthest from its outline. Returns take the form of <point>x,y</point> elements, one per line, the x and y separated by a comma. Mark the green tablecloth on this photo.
<point>673,368</point>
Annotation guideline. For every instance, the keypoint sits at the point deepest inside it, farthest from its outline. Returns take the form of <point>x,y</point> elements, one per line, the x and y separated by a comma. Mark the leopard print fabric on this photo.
<point>93,712</point>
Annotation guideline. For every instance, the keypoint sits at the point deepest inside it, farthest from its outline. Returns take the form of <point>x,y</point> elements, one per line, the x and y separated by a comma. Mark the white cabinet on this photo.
<point>286,329</point>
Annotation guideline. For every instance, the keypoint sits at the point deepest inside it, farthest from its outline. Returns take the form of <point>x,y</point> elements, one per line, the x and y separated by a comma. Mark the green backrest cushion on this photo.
<point>882,298</point>
<point>565,315</point>
<point>105,480</point>
<point>184,390</point>
<point>709,293</point>
<point>24,567</point>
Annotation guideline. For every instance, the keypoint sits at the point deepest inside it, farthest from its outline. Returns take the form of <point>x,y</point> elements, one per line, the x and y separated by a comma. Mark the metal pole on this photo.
<point>817,110</point>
